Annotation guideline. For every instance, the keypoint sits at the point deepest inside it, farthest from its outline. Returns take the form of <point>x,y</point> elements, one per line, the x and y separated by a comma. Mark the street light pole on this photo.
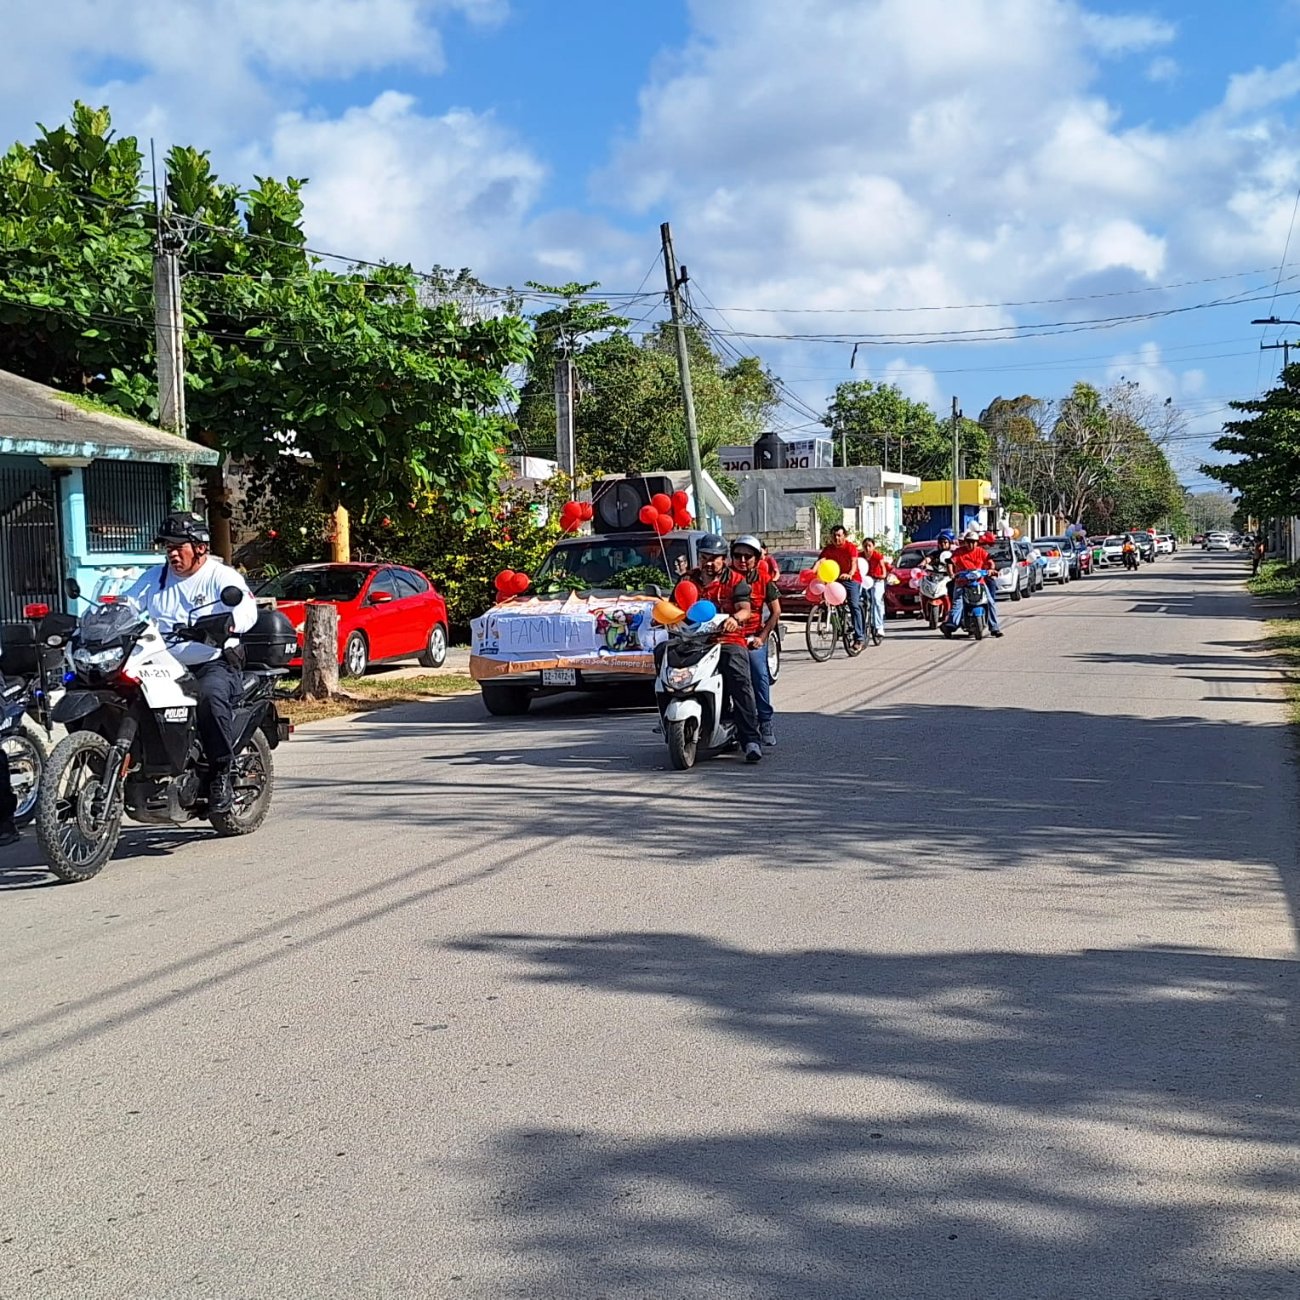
<point>1284,345</point>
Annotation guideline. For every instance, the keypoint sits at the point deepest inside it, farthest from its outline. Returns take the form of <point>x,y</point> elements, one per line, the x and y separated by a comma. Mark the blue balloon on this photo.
<point>701,612</point>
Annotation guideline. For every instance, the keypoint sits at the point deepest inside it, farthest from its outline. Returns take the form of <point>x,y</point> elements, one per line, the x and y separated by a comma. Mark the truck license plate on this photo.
<point>559,676</point>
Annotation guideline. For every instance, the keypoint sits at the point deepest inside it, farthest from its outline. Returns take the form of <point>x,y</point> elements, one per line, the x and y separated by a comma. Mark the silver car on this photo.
<point>1056,562</point>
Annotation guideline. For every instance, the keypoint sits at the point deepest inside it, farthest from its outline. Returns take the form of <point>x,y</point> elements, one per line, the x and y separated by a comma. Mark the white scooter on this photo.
<point>688,691</point>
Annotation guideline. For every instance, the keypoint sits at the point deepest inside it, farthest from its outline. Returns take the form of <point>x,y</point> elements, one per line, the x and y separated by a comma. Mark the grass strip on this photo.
<point>360,695</point>
<point>1275,578</point>
<point>1283,640</point>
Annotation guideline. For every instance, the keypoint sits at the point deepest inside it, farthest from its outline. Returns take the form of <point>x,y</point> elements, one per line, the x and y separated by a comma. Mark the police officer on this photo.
<point>191,580</point>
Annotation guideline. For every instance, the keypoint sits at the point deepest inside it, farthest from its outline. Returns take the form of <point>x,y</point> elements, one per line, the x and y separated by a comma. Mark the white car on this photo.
<point>1056,564</point>
<point>1165,544</point>
<point>1219,542</point>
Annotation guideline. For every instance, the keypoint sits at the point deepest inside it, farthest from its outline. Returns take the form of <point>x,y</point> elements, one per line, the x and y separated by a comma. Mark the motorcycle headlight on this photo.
<point>99,661</point>
<point>679,677</point>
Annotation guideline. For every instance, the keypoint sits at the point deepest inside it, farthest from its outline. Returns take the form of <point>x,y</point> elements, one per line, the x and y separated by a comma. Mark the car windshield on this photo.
<point>605,564</point>
<point>912,559</point>
<point>316,584</point>
<point>796,563</point>
<point>1114,541</point>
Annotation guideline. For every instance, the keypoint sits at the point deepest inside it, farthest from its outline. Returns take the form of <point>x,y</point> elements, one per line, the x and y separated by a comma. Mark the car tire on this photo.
<point>356,656</point>
<point>506,701</point>
<point>1016,595</point>
<point>435,650</point>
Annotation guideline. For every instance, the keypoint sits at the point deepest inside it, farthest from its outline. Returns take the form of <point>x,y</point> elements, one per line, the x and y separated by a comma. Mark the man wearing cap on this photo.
<point>748,560</point>
<point>189,581</point>
<point>968,556</point>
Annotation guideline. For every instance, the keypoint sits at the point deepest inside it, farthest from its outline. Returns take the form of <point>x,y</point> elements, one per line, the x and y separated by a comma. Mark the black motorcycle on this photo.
<point>133,747</point>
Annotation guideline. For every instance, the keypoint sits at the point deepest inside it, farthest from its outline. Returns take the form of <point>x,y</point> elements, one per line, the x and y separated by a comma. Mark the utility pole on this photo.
<point>997,481</point>
<point>169,337</point>
<point>675,283</point>
<point>1286,351</point>
<point>956,468</point>
<point>566,451</point>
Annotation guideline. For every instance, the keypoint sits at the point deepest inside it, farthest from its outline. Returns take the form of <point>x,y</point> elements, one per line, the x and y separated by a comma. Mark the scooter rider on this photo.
<point>971,555</point>
<point>190,579</point>
<point>748,560</point>
<point>717,583</point>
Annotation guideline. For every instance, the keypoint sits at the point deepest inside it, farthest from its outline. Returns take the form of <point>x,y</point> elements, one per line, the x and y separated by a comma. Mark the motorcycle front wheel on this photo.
<point>932,615</point>
<point>26,764</point>
<point>76,843</point>
<point>253,777</point>
<point>977,628</point>
<point>683,744</point>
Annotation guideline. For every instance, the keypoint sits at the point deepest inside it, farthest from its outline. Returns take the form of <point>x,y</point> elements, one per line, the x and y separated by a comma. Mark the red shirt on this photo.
<point>845,556</point>
<point>976,558</point>
<point>875,563</point>
<point>718,590</point>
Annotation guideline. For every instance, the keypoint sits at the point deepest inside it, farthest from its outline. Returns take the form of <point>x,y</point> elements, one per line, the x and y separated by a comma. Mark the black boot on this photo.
<point>8,833</point>
<point>221,794</point>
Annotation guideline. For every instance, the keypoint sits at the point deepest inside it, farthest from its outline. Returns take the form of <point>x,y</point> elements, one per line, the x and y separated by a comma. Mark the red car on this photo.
<point>791,564</point>
<point>386,611</point>
<point>904,600</point>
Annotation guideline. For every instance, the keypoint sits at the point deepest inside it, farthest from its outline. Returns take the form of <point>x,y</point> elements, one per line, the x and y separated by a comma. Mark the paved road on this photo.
<point>977,988</point>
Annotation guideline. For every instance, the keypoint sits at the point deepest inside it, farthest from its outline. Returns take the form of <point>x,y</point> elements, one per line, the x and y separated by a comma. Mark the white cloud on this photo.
<point>1125,33</point>
<point>1163,70</point>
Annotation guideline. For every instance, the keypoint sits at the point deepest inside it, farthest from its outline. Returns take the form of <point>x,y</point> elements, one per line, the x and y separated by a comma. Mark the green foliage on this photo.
<point>1275,578</point>
<point>628,414</point>
<point>390,395</point>
<point>1265,473</point>
<point>882,427</point>
<point>830,514</point>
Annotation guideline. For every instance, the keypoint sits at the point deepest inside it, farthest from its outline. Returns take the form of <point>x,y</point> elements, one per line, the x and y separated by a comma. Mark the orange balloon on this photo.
<point>667,614</point>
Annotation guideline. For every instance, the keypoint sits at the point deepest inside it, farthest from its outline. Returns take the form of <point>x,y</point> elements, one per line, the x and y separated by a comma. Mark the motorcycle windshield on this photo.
<point>108,624</point>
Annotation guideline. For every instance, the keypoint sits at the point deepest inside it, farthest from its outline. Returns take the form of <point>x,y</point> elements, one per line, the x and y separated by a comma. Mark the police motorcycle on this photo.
<point>31,680</point>
<point>975,602</point>
<point>133,747</point>
<point>689,692</point>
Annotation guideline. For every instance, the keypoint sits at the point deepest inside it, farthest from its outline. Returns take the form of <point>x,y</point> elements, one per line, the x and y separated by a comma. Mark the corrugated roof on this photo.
<point>39,421</point>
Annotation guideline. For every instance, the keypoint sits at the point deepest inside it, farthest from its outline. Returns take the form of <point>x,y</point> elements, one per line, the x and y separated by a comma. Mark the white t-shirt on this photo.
<point>170,600</point>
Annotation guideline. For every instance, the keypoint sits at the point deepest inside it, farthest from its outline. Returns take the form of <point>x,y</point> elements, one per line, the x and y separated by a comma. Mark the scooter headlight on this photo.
<point>99,661</point>
<point>679,677</point>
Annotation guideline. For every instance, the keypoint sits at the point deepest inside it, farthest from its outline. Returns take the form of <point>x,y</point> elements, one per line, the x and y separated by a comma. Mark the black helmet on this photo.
<point>181,526</point>
<point>711,544</point>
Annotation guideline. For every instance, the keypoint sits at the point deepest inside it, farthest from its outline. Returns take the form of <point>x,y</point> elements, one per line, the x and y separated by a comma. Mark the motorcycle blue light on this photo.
<point>68,678</point>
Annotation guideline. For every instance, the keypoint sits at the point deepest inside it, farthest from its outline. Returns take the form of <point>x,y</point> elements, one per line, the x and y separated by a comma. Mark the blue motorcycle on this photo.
<point>969,588</point>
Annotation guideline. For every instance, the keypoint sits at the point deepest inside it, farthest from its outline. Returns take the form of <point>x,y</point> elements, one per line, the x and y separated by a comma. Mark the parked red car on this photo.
<point>904,600</point>
<point>386,611</point>
<point>791,564</point>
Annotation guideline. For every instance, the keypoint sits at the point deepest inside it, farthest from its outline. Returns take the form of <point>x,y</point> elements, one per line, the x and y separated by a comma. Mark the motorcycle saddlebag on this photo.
<point>17,649</point>
<point>271,642</point>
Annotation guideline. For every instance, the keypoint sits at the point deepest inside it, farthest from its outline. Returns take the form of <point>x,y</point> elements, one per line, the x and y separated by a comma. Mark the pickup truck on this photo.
<point>585,623</point>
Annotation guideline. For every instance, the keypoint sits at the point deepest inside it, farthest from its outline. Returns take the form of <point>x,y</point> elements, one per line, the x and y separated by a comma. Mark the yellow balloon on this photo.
<point>666,613</point>
<point>827,570</point>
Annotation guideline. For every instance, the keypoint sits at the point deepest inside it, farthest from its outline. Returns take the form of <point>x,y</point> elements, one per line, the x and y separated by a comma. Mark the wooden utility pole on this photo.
<point>566,450</point>
<point>675,283</point>
<point>341,537</point>
<point>1286,350</point>
<point>956,468</point>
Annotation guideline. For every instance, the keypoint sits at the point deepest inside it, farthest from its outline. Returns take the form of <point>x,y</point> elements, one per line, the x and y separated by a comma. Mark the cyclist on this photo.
<point>874,568</point>
<point>845,554</point>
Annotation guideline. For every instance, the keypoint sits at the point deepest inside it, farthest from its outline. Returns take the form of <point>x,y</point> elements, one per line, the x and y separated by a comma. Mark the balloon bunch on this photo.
<point>821,583</point>
<point>685,606</point>
<point>573,514</point>
<point>509,583</point>
<point>664,512</point>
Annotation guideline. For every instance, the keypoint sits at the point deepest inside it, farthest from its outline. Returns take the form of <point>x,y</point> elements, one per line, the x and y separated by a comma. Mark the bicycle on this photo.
<point>828,624</point>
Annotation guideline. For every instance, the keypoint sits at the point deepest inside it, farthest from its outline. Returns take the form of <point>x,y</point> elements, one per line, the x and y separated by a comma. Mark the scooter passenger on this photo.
<point>760,626</point>
<point>970,555</point>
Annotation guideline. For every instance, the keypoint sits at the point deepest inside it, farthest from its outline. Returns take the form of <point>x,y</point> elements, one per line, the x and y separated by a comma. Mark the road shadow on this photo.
<point>998,1179</point>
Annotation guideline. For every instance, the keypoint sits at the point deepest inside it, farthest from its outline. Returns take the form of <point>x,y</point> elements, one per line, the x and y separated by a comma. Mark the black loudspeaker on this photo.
<point>616,502</point>
<point>769,452</point>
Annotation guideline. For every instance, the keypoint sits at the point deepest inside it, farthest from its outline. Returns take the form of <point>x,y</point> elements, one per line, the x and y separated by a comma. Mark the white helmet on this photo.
<point>971,535</point>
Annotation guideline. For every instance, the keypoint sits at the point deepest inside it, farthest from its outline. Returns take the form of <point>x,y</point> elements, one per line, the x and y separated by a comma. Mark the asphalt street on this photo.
<point>977,988</point>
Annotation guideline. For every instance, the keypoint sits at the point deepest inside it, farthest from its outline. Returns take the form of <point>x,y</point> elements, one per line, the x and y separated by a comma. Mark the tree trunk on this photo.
<point>320,652</point>
<point>218,498</point>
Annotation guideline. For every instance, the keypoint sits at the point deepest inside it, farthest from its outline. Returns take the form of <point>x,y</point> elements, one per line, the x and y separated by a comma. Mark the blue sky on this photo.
<point>829,166</point>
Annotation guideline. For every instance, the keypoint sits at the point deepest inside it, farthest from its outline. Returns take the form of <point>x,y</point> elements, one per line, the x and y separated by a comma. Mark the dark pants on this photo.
<point>737,678</point>
<point>220,690</point>
<point>8,800</point>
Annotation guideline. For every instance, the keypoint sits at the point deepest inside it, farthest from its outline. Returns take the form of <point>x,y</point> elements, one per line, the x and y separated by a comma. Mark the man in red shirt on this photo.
<point>845,554</point>
<point>970,555</point>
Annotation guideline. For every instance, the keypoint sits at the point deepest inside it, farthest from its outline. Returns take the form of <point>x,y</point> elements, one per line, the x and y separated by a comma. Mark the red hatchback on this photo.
<point>386,611</point>
<point>791,564</point>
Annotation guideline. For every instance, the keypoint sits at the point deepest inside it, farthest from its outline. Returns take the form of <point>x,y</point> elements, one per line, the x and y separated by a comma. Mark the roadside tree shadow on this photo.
<point>1004,1122</point>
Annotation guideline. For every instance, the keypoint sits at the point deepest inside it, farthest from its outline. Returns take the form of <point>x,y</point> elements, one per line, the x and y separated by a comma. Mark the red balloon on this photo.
<point>662,502</point>
<point>682,517</point>
<point>806,576</point>
<point>680,500</point>
<point>685,594</point>
<point>520,584</point>
<point>571,510</point>
<point>504,581</point>
<point>663,524</point>
<point>648,515</point>
<point>586,508</point>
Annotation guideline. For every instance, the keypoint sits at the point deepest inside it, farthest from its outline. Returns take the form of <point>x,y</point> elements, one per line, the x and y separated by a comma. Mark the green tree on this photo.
<point>355,382</point>
<point>1265,471</point>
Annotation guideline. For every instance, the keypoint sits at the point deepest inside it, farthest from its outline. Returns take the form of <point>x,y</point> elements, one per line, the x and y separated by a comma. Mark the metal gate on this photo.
<point>31,544</point>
